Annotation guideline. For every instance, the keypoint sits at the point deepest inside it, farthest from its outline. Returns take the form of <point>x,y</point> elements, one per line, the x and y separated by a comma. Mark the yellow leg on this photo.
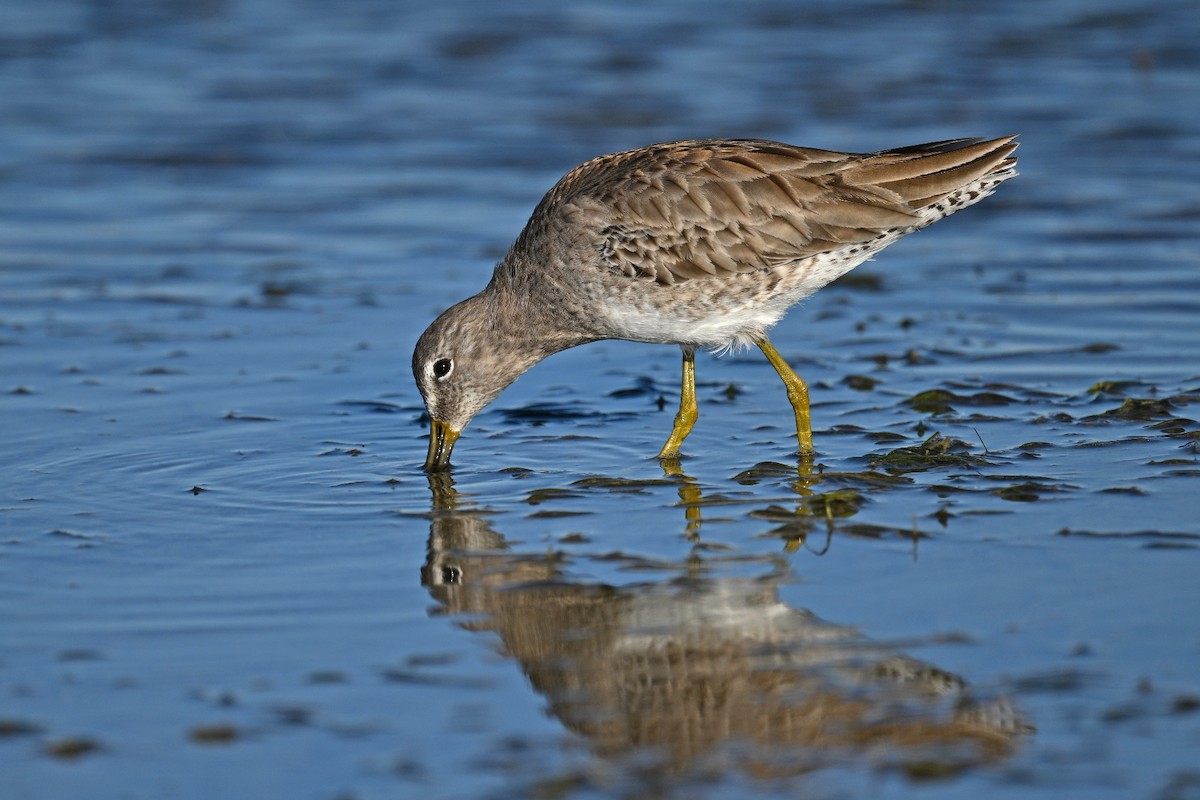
<point>797,392</point>
<point>688,412</point>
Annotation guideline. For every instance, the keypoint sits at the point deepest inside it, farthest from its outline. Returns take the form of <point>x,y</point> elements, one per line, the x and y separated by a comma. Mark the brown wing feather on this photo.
<point>685,210</point>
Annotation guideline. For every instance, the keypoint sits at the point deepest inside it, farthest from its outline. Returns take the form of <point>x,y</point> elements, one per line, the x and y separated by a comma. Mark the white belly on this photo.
<point>720,313</point>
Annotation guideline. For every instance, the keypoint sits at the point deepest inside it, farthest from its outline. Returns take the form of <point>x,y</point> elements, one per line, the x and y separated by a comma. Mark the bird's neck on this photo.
<point>530,311</point>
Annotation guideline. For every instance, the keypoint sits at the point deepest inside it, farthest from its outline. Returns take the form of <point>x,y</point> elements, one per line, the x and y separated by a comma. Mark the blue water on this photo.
<point>223,573</point>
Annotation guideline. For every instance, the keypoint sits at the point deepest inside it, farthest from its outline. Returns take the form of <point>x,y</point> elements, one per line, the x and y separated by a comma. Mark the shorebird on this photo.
<point>700,244</point>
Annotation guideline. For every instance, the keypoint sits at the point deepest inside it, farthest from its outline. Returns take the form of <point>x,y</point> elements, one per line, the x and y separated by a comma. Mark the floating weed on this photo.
<point>1137,409</point>
<point>711,500</point>
<point>867,479</point>
<point>944,401</point>
<point>792,525</point>
<point>1113,387</point>
<point>944,489</point>
<point>643,386</point>
<point>517,472</point>
<point>777,513</point>
<point>764,470</point>
<point>539,496</point>
<point>237,416</point>
<point>1176,427</point>
<point>860,383</point>
<point>867,530</point>
<point>71,747</point>
<point>1025,492</point>
<point>1099,443</point>
<point>631,485</point>
<point>1061,417</point>
<point>217,733</point>
<point>933,401</point>
<point>1183,473</point>
<point>886,437</point>
<point>935,452</point>
<point>1185,704</point>
<point>17,727</point>
<point>324,677</point>
<point>1153,538</point>
<point>540,413</point>
<point>841,503</point>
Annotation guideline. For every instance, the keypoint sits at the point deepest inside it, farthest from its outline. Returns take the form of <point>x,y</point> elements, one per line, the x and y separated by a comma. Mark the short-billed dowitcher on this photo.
<point>701,243</point>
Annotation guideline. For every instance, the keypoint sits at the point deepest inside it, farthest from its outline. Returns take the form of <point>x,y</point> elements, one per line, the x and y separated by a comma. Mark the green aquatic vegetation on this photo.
<point>1173,425</point>
<point>217,733</point>
<point>643,386</point>
<point>239,417</point>
<point>867,479</point>
<point>1024,492</point>
<point>1138,409</point>
<point>943,401</point>
<point>876,437</point>
<point>540,413</point>
<point>840,503</point>
<point>71,748</point>
<point>868,530</point>
<point>778,513</point>
<point>539,496</point>
<point>764,470</point>
<point>694,499</point>
<point>861,383</point>
<point>935,452</point>
<point>1185,704</point>
<point>1112,387</point>
<point>792,525</point>
<point>17,727</point>
<point>633,485</point>
<point>1153,538</point>
<point>933,401</point>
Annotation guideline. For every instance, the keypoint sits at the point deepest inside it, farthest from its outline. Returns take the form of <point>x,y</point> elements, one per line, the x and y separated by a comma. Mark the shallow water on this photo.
<point>223,573</point>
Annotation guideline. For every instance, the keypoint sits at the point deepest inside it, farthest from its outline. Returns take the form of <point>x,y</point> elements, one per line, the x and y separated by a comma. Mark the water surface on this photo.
<point>222,572</point>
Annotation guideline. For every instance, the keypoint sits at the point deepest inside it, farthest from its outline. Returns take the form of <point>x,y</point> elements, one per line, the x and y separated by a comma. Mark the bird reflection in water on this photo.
<point>694,668</point>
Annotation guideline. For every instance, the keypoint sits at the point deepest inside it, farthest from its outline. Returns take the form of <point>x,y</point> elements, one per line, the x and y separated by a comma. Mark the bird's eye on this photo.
<point>442,367</point>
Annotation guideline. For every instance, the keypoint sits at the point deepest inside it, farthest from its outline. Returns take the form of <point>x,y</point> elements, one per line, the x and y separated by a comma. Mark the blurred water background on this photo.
<point>223,573</point>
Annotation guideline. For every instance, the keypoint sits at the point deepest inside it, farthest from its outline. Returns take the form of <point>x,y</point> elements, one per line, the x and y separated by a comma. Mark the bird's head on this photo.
<point>465,358</point>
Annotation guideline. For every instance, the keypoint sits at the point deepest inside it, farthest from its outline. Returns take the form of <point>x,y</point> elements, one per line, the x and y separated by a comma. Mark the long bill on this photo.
<point>441,441</point>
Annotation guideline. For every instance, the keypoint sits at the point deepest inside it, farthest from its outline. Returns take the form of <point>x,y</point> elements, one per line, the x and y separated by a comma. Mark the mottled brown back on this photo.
<point>690,209</point>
